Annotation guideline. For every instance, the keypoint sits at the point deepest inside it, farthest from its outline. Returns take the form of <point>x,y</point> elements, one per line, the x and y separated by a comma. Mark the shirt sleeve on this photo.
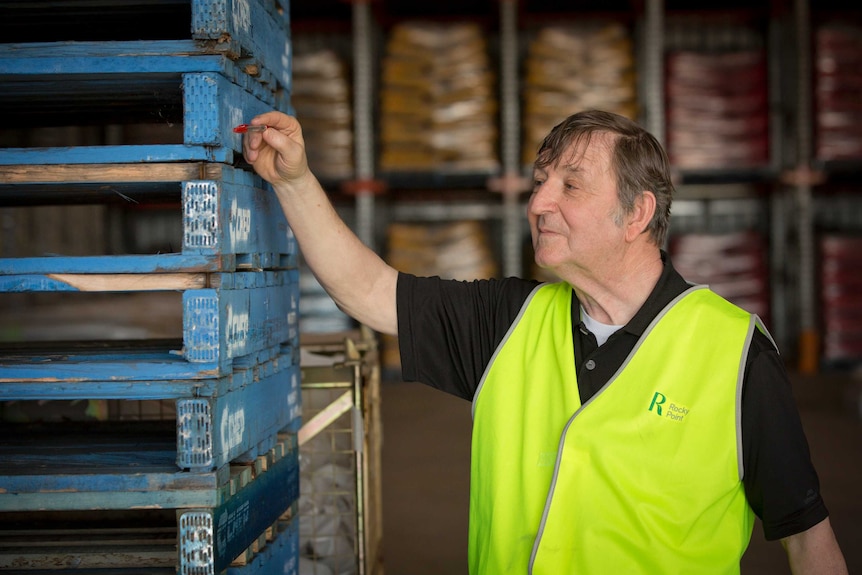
<point>780,480</point>
<point>448,330</point>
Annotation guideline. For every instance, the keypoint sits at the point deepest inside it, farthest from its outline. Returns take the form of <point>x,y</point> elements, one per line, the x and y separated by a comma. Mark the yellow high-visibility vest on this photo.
<point>646,477</point>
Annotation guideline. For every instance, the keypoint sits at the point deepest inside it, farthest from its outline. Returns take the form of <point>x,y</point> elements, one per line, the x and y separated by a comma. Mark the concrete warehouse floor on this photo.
<point>426,453</point>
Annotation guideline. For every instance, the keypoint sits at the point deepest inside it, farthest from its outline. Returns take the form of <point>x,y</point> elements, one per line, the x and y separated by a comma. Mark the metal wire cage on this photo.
<point>340,492</point>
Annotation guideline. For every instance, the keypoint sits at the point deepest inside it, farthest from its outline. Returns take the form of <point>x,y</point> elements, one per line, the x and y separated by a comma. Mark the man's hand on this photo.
<point>359,281</point>
<point>278,153</point>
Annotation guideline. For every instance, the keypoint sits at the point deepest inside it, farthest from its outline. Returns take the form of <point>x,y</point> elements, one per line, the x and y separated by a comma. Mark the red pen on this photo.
<point>243,128</point>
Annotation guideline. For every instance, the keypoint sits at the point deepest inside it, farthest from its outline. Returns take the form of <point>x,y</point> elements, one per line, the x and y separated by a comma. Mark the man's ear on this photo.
<point>641,216</point>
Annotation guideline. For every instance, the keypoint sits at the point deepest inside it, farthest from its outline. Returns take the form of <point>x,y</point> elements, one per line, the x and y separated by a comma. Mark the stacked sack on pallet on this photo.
<point>321,97</point>
<point>570,68</point>
<point>838,82</point>
<point>438,100</point>
<point>322,100</point>
<point>717,109</point>
<point>840,284</point>
<point>458,250</point>
<point>732,264</point>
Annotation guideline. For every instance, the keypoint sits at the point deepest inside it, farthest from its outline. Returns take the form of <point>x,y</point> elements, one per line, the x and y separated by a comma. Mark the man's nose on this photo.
<point>541,198</point>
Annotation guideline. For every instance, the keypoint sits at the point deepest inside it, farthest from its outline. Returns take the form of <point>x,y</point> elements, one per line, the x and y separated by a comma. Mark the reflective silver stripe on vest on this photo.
<point>511,329</point>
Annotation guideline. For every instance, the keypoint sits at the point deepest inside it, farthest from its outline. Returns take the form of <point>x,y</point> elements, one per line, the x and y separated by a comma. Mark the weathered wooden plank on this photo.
<point>134,264</point>
<point>103,282</point>
<point>91,556</point>
<point>110,173</point>
<point>116,154</point>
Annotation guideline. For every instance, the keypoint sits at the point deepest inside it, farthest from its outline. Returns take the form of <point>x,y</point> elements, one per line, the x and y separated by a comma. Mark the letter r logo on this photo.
<point>657,400</point>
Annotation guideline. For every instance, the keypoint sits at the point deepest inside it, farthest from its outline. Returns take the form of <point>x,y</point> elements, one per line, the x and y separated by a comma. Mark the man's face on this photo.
<point>574,212</point>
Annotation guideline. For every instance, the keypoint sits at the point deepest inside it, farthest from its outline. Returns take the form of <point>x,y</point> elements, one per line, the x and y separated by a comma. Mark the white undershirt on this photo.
<point>602,331</point>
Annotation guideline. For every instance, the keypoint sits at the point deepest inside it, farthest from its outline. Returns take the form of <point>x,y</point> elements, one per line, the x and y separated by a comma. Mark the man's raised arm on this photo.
<point>359,281</point>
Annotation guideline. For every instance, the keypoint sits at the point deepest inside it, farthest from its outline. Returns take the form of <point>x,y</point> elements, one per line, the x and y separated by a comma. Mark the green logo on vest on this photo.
<point>657,400</point>
<point>674,412</point>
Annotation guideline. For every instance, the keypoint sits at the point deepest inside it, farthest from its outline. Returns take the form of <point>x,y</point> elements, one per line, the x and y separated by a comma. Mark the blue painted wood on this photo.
<point>117,371</point>
<point>48,69</point>
<point>149,375</point>
<point>254,31</point>
<point>147,153</point>
<point>214,431</point>
<point>259,27</point>
<point>229,223</point>
<point>240,520</point>
<point>131,477</point>
<point>220,326</point>
<point>132,264</point>
<point>235,217</point>
<point>212,105</point>
<point>279,557</point>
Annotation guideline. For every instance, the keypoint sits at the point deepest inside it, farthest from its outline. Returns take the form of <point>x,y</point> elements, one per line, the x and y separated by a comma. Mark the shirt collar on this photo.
<point>670,284</point>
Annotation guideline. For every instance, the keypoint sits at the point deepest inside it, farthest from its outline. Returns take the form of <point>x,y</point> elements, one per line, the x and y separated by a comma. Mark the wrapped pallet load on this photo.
<point>322,99</point>
<point>840,281</point>
<point>733,264</point>
<point>574,67</point>
<point>717,109</point>
<point>438,100</point>
<point>452,250</point>
<point>838,81</point>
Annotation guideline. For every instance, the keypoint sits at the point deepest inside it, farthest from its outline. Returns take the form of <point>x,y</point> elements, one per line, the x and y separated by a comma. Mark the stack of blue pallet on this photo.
<point>214,490</point>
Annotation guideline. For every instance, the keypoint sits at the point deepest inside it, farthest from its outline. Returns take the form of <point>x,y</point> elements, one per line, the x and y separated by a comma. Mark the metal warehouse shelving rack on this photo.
<point>209,482</point>
<point>790,197</point>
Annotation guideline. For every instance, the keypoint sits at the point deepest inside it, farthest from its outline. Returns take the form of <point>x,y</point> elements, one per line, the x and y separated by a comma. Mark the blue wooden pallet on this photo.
<point>53,70</point>
<point>208,105</point>
<point>136,547</point>
<point>119,469</point>
<point>235,417</point>
<point>255,314</point>
<point>218,517</point>
<point>231,220</point>
<point>255,32</point>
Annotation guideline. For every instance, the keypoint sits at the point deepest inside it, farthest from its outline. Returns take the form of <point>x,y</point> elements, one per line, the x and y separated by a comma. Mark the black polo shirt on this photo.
<point>448,332</point>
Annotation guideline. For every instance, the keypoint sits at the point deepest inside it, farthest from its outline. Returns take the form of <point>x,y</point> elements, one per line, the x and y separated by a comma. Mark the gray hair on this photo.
<point>637,159</point>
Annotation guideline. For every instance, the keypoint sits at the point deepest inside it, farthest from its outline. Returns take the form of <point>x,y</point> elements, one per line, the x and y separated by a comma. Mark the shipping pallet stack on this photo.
<point>128,107</point>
